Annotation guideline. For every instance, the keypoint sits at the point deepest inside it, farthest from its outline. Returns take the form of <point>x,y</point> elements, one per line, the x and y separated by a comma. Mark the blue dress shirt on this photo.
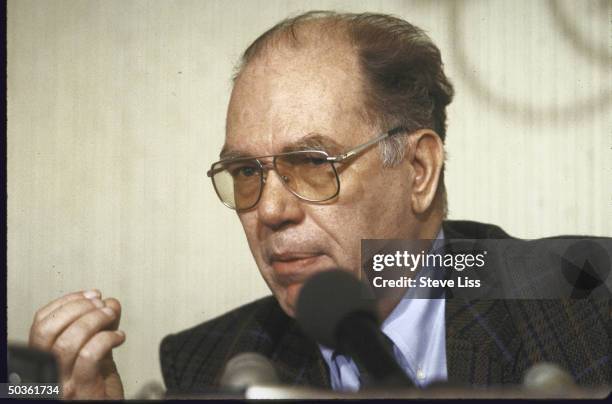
<point>417,329</point>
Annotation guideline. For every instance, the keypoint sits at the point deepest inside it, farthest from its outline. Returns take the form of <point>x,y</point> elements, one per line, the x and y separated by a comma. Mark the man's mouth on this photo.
<point>295,267</point>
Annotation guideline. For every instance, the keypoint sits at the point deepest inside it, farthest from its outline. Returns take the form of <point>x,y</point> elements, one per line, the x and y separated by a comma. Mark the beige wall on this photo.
<point>116,110</point>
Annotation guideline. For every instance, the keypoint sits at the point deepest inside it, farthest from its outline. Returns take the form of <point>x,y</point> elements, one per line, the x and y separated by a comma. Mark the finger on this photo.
<point>70,342</point>
<point>116,306</point>
<point>44,311</point>
<point>87,364</point>
<point>44,333</point>
<point>101,380</point>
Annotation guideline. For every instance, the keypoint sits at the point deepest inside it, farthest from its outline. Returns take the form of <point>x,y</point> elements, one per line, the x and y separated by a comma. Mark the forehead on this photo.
<point>291,92</point>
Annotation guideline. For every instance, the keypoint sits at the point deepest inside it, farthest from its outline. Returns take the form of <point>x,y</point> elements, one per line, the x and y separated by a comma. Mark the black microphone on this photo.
<point>338,311</point>
<point>27,365</point>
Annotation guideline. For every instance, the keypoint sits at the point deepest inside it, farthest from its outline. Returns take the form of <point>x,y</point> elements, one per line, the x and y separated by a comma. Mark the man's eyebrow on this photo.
<point>228,153</point>
<point>312,141</point>
<point>315,141</point>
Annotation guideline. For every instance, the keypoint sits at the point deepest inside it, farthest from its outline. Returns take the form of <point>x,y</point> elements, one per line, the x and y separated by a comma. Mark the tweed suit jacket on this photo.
<point>488,342</point>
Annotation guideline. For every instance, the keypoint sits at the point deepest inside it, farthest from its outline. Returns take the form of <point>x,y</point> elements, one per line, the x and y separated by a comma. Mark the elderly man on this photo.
<point>335,133</point>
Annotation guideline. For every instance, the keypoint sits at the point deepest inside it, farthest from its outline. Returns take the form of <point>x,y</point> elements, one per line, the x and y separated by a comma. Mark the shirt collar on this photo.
<point>414,323</point>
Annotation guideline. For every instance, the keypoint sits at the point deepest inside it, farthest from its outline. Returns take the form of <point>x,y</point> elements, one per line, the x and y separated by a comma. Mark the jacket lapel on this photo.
<point>481,344</point>
<point>298,360</point>
<point>269,331</point>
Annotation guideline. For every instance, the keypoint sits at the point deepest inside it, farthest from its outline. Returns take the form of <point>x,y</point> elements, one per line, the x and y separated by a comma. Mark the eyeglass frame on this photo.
<point>331,159</point>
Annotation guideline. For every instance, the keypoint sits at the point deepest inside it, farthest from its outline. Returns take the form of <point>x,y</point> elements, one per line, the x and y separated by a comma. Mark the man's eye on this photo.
<point>314,160</point>
<point>317,161</point>
<point>244,171</point>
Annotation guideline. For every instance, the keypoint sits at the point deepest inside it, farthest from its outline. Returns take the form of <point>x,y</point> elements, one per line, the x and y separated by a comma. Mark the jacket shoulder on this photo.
<point>573,333</point>
<point>472,230</point>
<point>194,358</point>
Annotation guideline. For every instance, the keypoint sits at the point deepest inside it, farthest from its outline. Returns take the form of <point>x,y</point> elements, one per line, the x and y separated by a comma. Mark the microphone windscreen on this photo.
<point>547,376</point>
<point>248,369</point>
<point>151,391</point>
<point>327,298</point>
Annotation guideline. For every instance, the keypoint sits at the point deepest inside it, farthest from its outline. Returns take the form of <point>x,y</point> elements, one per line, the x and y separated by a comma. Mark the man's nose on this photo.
<point>278,207</point>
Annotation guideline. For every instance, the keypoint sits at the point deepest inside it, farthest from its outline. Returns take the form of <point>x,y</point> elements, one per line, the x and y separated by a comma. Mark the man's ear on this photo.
<point>426,155</point>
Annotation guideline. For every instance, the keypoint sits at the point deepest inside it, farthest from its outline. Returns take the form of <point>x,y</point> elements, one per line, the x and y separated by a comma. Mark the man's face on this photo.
<point>279,100</point>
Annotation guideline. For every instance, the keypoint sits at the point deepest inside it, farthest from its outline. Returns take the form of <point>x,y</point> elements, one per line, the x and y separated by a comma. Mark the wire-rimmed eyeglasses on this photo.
<point>310,175</point>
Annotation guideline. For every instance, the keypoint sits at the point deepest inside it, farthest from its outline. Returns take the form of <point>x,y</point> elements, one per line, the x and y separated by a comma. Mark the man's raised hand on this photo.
<point>80,329</point>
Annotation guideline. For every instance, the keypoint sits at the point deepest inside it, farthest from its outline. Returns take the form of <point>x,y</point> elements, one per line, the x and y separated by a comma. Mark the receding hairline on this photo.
<point>301,32</point>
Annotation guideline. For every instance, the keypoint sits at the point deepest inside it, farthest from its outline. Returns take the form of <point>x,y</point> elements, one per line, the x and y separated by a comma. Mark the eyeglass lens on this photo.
<point>307,174</point>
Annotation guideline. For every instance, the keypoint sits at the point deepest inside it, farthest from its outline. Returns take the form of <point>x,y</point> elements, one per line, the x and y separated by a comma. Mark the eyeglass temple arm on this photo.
<point>360,148</point>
